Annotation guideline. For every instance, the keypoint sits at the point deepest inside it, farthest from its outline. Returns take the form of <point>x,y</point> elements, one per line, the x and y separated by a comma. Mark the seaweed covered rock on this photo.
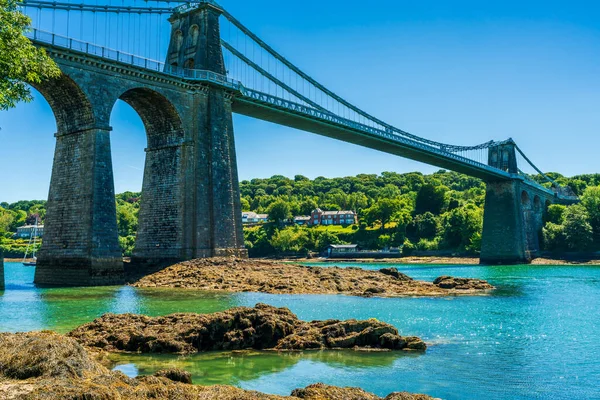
<point>348,334</point>
<point>261,327</point>
<point>320,391</point>
<point>48,366</point>
<point>450,282</point>
<point>229,274</point>
<point>44,354</point>
<point>176,375</point>
<point>396,274</point>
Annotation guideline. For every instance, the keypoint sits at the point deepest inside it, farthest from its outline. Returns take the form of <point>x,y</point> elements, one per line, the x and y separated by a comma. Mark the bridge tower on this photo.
<point>190,205</point>
<point>213,197</point>
<point>513,212</point>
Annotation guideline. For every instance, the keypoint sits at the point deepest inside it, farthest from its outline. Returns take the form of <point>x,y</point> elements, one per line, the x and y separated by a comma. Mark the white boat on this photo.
<point>31,246</point>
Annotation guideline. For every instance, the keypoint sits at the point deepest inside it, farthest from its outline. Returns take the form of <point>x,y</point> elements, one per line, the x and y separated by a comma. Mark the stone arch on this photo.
<point>189,63</point>
<point>161,120</point>
<point>178,39</point>
<point>161,215</point>
<point>525,200</point>
<point>71,106</point>
<point>537,204</point>
<point>193,34</point>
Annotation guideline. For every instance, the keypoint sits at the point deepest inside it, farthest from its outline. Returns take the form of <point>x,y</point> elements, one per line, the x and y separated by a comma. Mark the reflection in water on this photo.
<point>535,337</point>
<point>237,367</point>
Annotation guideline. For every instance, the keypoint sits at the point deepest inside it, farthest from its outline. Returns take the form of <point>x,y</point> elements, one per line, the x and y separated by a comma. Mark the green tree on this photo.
<point>556,214</point>
<point>430,198</point>
<point>461,225</point>
<point>290,239</point>
<point>20,61</point>
<point>382,211</point>
<point>245,204</point>
<point>279,211</point>
<point>578,231</point>
<point>591,201</point>
<point>554,236</point>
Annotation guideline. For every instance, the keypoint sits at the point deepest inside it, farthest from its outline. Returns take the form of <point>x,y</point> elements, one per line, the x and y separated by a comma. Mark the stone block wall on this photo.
<point>512,222</point>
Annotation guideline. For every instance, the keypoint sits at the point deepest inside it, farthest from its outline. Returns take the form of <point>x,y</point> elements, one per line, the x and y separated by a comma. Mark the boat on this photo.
<point>31,246</point>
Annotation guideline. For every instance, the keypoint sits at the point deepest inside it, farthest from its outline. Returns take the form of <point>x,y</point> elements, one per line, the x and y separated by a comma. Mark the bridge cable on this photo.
<point>270,77</point>
<point>447,147</point>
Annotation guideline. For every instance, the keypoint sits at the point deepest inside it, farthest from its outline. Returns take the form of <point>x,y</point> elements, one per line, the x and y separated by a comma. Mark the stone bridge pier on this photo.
<point>190,204</point>
<point>513,214</point>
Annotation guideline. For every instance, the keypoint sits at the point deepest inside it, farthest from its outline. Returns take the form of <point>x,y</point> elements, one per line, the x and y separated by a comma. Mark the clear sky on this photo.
<point>461,72</point>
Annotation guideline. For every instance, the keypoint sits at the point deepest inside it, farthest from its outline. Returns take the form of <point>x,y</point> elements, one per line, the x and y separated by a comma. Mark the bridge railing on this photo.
<point>327,116</point>
<point>131,59</point>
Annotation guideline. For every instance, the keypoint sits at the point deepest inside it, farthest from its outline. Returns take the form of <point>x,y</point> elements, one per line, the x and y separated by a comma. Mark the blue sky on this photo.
<point>461,72</point>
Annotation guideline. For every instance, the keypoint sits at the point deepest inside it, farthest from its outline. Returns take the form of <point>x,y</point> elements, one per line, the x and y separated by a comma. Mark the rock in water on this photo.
<point>176,375</point>
<point>320,391</point>
<point>396,274</point>
<point>449,282</point>
<point>261,327</point>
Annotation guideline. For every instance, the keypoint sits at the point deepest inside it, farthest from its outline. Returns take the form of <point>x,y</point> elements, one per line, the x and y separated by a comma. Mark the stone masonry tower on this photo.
<point>216,215</point>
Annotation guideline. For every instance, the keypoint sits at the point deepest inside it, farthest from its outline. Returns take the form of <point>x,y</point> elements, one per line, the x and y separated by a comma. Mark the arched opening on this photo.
<point>525,200</point>
<point>178,40</point>
<point>151,224</point>
<point>193,35</point>
<point>27,136</point>
<point>494,157</point>
<point>189,63</point>
<point>537,204</point>
<point>71,107</point>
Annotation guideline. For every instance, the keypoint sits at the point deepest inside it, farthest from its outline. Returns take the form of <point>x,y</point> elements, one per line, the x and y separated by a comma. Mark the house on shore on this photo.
<point>320,217</point>
<point>28,231</point>
<point>249,217</point>
<point>302,220</point>
<point>341,249</point>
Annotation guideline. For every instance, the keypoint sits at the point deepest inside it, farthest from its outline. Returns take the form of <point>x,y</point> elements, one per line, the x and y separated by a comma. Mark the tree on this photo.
<point>279,211</point>
<point>578,231</point>
<point>591,201</point>
<point>425,226</point>
<point>556,214</point>
<point>245,204</point>
<point>291,239</point>
<point>20,60</point>
<point>430,198</point>
<point>554,236</point>
<point>461,225</point>
<point>382,211</point>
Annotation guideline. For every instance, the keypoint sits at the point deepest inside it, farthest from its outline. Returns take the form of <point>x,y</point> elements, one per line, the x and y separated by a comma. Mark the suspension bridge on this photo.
<point>185,67</point>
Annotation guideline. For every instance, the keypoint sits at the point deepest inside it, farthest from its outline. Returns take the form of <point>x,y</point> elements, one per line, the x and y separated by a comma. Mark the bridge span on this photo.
<point>191,204</point>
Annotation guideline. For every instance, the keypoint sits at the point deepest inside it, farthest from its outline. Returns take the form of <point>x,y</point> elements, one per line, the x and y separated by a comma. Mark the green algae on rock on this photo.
<point>261,327</point>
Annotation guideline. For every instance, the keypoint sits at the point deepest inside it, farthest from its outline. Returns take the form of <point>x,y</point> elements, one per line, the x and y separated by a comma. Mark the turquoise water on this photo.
<point>536,337</point>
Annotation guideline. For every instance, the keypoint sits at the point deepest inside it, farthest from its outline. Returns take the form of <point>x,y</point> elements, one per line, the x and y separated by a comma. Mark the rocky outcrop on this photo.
<point>237,275</point>
<point>396,274</point>
<point>449,282</point>
<point>48,366</point>
<point>320,391</point>
<point>261,327</point>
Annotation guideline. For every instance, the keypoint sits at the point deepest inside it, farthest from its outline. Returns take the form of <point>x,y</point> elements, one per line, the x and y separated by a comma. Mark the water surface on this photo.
<point>536,337</point>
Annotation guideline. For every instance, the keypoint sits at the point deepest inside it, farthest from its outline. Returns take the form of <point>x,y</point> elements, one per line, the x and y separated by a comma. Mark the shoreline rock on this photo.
<point>49,366</point>
<point>261,328</point>
<point>238,275</point>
